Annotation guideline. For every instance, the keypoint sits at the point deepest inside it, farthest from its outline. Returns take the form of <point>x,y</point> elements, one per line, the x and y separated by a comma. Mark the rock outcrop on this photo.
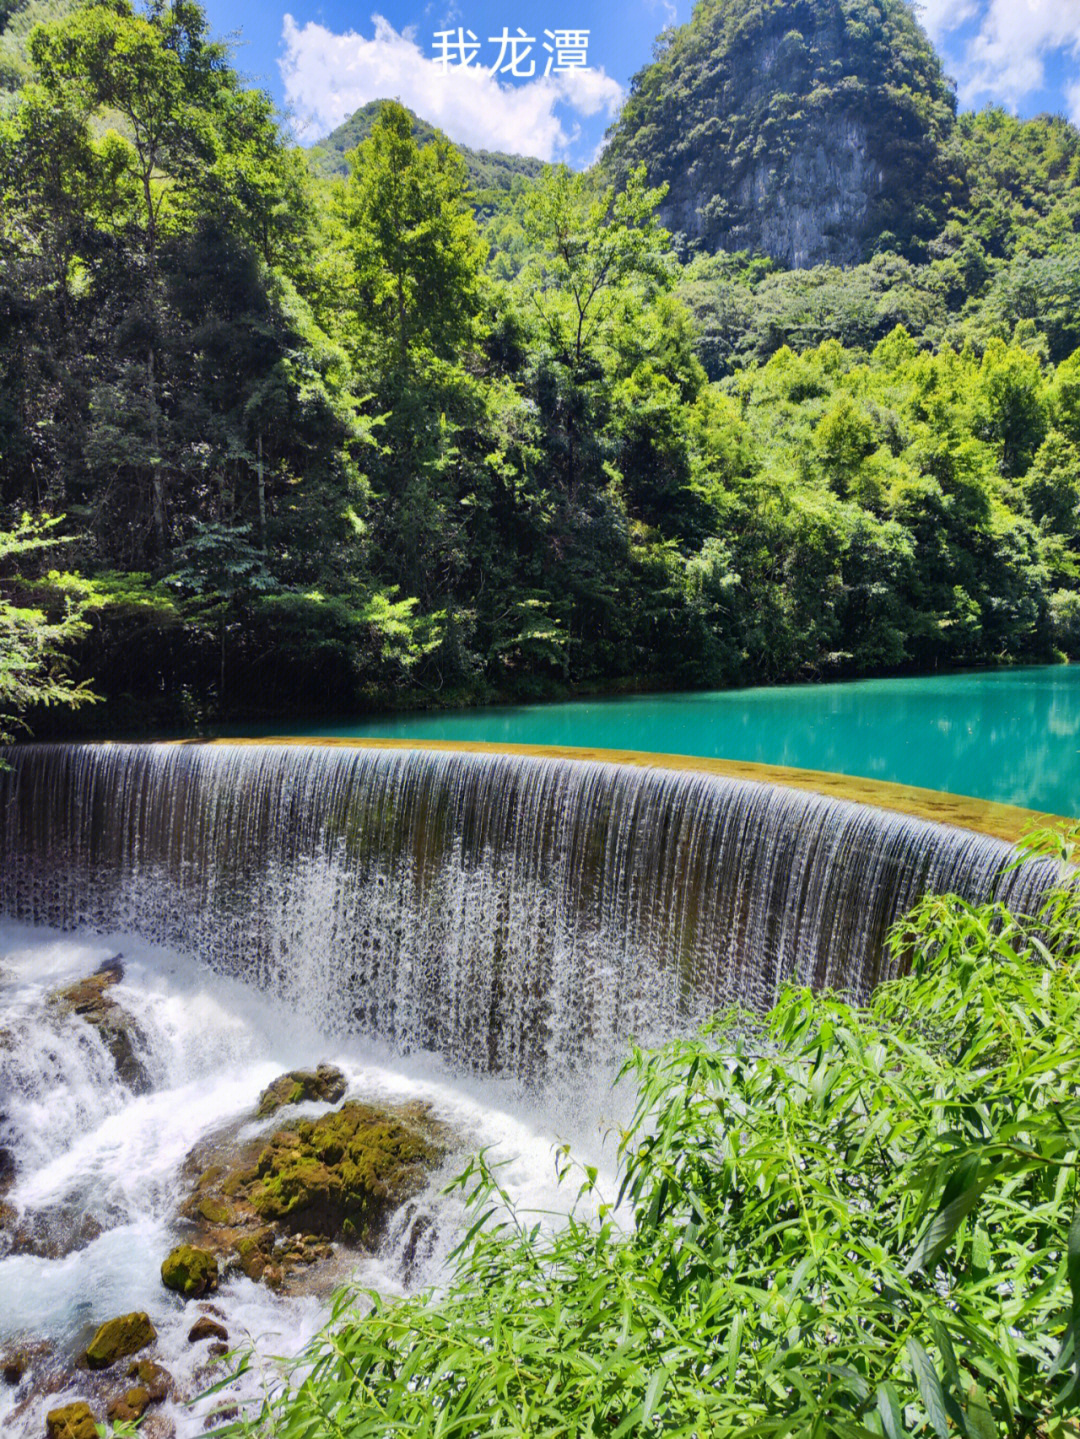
<point>90,999</point>
<point>71,1421</point>
<point>271,1206</point>
<point>325,1085</point>
<point>190,1272</point>
<point>807,130</point>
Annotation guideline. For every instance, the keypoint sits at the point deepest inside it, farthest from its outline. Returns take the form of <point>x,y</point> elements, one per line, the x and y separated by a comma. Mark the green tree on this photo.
<point>588,245</point>
<point>416,250</point>
<point>41,617</point>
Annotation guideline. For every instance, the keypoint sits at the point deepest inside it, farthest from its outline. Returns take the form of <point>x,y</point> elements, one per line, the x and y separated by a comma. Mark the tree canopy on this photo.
<point>334,441</point>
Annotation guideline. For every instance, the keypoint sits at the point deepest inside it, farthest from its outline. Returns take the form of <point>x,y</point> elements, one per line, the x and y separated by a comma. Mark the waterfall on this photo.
<point>513,914</point>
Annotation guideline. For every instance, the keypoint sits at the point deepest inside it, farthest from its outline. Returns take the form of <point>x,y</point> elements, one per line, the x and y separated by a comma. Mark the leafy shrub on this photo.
<point>833,1221</point>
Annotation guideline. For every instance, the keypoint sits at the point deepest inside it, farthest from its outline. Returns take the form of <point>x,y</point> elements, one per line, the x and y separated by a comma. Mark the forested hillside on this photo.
<point>488,170</point>
<point>806,129</point>
<point>335,440</point>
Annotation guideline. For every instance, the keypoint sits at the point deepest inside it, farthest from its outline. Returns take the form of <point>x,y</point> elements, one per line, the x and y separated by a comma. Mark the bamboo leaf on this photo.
<point>926,1376</point>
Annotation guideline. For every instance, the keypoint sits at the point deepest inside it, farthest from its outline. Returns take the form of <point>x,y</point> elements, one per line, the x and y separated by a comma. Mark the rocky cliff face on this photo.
<point>804,129</point>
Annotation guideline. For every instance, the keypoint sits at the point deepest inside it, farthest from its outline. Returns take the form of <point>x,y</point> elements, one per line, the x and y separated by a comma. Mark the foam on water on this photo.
<point>85,1143</point>
<point>484,932</point>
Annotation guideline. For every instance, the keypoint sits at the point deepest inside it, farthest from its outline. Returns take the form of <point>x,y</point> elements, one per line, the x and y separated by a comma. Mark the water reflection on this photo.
<point>1012,736</point>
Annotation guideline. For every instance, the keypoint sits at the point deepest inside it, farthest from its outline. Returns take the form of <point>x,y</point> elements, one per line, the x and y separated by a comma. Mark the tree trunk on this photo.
<point>402,340</point>
<point>157,481</point>
<point>262,494</point>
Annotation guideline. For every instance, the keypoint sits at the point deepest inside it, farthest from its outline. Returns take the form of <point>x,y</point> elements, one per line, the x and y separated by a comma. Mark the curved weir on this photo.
<point>512,913</point>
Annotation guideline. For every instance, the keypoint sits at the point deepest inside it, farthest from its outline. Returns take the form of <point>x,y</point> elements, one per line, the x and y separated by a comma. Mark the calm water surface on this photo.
<point>1009,735</point>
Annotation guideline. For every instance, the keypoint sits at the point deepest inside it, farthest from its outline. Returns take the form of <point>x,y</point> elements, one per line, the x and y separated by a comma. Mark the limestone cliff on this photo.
<point>804,129</point>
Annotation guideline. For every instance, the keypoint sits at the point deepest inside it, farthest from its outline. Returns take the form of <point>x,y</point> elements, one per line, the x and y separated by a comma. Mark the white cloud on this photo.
<point>669,7</point>
<point>1004,60</point>
<point>941,16</point>
<point>327,76</point>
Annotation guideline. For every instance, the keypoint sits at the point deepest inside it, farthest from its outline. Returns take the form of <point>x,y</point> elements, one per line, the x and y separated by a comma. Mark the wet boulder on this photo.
<point>326,1085</point>
<point>118,1338</point>
<point>272,1207</point>
<point>190,1271</point>
<point>157,1382</point>
<point>71,1421</point>
<point>14,1365</point>
<point>90,1001</point>
<point>20,1360</point>
<point>343,1173</point>
<point>126,1408</point>
<point>206,1328</point>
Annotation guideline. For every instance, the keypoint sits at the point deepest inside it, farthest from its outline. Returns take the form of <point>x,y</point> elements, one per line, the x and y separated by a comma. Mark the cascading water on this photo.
<point>266,907</point>
<point>510,913</point>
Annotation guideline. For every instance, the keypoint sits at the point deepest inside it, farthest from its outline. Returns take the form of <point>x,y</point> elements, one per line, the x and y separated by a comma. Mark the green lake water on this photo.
<point>1008,735</point>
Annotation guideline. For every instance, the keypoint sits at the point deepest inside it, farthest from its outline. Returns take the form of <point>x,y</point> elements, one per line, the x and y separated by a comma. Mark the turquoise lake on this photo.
<point>1008,735</point>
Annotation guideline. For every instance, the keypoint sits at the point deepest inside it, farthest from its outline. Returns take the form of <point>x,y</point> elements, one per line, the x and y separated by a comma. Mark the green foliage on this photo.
<point>17,21</point>
<point>492,174</point>
<point>416,251</point>
<point>41,616</point>
<point>435,433</point>
<point>833,1221</point>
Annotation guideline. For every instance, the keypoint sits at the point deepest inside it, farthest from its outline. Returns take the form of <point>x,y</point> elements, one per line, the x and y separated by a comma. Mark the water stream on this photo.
<point>485,932</point>
<point>96,1160</point>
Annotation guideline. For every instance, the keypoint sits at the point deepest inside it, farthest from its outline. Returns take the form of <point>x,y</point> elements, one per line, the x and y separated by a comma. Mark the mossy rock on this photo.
<point>121,1035</point>
<point>118,1338</point>
<point>326,1084</point>
<point>71,1421</point>
<point>189,1271</point>
<point>343,1173</point>
<point>126,1408</point>
<point>269,1207</point>
<point>157,1382</point>
<point>254,1252</point>
<point>14,1365</point>
<point>238,1180</point>
<point>214,1211</point>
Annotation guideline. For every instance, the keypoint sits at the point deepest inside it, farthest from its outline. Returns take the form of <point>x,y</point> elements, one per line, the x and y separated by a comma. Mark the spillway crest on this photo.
<point>513,914</point>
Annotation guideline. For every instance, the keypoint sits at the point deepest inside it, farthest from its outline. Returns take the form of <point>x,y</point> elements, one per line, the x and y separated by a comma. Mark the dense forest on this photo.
<point>387,424</point>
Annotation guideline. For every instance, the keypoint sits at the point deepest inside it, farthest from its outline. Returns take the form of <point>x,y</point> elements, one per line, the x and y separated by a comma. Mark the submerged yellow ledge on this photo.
<point>1005,821</point>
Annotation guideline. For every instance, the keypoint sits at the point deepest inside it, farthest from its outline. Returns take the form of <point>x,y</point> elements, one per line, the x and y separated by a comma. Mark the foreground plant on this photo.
<point>836,1221</point>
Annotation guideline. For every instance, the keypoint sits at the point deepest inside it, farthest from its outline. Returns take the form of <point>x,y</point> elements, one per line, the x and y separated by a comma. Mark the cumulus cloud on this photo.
<point>1002,54</point>
<point>941,16</point>
<point>327,76</point>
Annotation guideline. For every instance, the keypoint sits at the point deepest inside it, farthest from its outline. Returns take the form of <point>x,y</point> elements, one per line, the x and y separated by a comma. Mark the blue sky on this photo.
<point>321,59</point>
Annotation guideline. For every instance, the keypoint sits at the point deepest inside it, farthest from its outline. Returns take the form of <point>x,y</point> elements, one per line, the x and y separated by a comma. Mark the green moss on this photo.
<point>190,1271</point>
<point>237,1182</point>
<point>325,1084</point>
<point>214,1211</point>
<point>72,1421</point>
<point>126,1408</point>
<point>342,1173</point>
<point>152,1377</point>
<point>118,1338</point>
